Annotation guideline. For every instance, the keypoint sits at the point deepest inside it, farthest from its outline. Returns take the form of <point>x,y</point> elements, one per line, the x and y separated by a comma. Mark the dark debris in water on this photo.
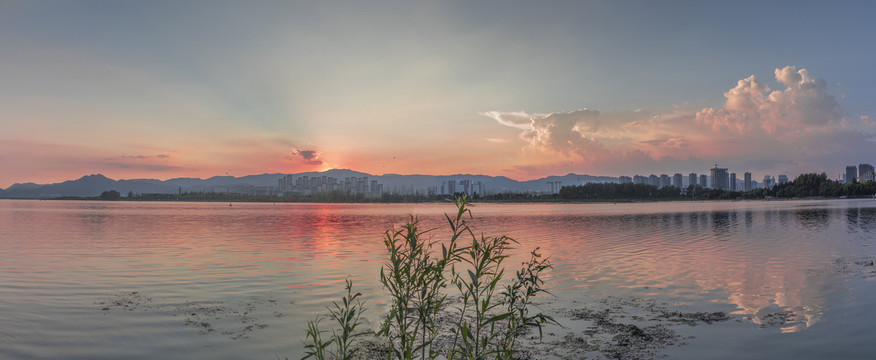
<point>777,318</point>
<point>856,267</point>
<point>128,301</point>
<point>621,328</point>
<point>692,319</point>
<point>235,319</point>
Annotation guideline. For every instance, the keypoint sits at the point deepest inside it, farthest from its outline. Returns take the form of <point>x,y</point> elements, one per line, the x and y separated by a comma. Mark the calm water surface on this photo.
<point>109,280</point>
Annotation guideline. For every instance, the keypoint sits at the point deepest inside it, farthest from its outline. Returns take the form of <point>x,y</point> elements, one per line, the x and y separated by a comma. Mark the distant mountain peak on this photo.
<point>23,186</point>
<point>94,177</point>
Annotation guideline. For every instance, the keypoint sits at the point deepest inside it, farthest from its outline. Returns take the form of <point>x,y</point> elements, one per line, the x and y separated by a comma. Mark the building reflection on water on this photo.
<point>776,266</point>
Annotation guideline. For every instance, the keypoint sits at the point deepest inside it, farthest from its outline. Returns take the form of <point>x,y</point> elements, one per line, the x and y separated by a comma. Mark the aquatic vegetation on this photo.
<point>347,315</point>
<point>485,321</point>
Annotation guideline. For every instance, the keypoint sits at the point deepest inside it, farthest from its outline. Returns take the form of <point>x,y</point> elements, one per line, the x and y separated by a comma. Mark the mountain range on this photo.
<point>95,184</point>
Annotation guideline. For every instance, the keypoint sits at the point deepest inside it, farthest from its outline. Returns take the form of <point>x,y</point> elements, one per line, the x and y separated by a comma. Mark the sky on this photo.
<point>165,89</point>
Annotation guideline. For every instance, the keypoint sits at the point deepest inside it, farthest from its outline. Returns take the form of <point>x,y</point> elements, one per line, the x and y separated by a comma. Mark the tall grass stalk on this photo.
<point>347,315</point>
<point>476,328</point>
<point>518,297</point>
<point>416,277</point>
<point>314,346</point>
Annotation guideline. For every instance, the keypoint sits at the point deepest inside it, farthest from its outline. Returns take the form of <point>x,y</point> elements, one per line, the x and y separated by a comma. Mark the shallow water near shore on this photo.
<point>107,280</point>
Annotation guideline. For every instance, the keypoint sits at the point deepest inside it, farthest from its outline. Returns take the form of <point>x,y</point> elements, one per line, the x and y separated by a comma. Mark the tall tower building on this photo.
<point>732,181</point>
<point>451,187</point>
<point>748,184</point>
<point>851,173</point>
<point>692,179</point>
<point>865,172</point>
<point>704,181</point>
<point>767,182</point>
<point>677,180</point>
<point>719,178</point>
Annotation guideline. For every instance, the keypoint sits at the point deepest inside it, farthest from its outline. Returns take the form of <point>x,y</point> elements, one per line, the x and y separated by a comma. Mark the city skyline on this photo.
<point>523,90</point>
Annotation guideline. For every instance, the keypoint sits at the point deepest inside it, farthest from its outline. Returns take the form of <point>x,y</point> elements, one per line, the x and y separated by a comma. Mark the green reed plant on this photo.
<point>476,330</point>
<point>485,324</point>
<point>314,346</point>
<point>416,277</point>
<point>347,314</point>
<point>518,297</point>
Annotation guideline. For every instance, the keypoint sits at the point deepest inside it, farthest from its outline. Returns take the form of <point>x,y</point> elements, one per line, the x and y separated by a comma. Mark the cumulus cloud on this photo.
<point>803,105</point>
<point>565,132</point>
<point>582,133</point>
<point>308,157</point>
<point>798,122</point>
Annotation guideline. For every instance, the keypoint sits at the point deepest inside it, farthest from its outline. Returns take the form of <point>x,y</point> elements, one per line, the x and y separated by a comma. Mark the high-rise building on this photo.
<point>732,181</point>
<point>747,185</point>
<point>639,179</point>
<point>554,186</point>
<point>451,187</point>
<point>719,178</point>
<point>704,181</point>
<point>851,173</point>
<point>665,180</point>
<point>624,180</point>
<point>692,179</point>
<point>783,179</point>
<point>654,180</point>
<point>865,172</point>
<point>677,180</point>
<point>465,185</point>
<point>768,182</point>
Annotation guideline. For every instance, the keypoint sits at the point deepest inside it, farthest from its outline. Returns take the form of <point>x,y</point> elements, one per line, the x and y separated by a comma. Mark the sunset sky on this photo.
<point>163,89</point>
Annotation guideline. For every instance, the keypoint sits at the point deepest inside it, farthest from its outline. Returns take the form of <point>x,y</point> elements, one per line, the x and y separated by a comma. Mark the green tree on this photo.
<point>110,195</point>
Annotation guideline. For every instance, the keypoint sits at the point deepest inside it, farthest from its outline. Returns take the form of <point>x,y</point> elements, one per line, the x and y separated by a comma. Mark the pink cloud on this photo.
<point>803,105</point>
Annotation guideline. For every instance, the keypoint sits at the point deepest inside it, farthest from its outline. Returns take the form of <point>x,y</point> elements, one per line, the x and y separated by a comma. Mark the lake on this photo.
<point>174,280</point>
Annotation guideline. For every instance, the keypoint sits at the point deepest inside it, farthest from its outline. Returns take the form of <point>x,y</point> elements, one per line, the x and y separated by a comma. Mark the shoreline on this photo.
<point>429,201</point>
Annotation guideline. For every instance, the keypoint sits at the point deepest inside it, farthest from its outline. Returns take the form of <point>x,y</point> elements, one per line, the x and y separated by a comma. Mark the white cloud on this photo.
<point>569,132</point>
<point>797,126</point>
<point>515,119</point>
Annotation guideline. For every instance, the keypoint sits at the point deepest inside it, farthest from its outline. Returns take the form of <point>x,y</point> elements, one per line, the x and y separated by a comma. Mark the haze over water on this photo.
<point>106,280</point>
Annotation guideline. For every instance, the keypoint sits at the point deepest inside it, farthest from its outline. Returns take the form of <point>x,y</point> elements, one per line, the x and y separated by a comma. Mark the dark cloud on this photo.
<point>309,157</point>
